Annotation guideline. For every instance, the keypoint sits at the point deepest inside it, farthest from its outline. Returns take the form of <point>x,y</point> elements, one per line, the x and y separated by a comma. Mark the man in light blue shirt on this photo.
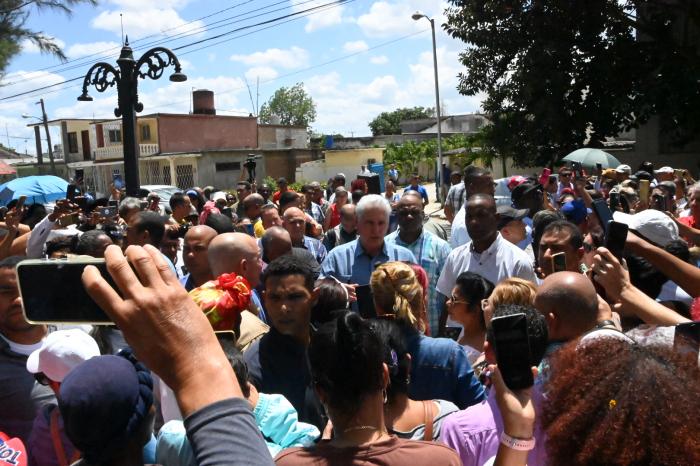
<point>430,251</point>
<point>354,262</point>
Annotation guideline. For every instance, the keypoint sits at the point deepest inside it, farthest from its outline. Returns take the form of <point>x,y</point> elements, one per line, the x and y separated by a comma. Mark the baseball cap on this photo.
<point>653,225</point>
<point>515,181</point>
<point>507,214</point>
<point>575,211</point>
<point>642,175</point>
<point>60,352</point>
<point>524,189</point>
<point>219,195</point>
<point>624,169</point>
<point>665,169</point>
<point>282,181</point>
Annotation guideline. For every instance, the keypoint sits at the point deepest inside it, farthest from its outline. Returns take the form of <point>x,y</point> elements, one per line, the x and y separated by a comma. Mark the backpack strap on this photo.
<point>428,420</point>
<point>57,442</point>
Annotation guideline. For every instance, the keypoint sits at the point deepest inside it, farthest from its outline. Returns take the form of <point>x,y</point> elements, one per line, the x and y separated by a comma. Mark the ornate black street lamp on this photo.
<point>103,75</point>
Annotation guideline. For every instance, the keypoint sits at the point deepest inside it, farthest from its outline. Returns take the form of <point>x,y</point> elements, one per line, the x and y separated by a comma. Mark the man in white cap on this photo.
<point>652,225</point>
<point>623,172</point>
<point>664,174</point>
<point>60,353</point>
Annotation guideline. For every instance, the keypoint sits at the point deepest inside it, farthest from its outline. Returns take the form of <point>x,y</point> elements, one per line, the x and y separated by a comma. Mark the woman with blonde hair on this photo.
<point>439,366</point>
<point>512,290</point>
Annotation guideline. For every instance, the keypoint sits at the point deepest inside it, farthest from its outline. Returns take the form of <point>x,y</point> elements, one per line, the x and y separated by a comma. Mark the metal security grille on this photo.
<point>151,172</point>
<point>185,174</point>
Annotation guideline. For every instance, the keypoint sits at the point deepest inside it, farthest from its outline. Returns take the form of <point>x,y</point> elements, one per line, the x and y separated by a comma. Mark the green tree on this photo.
<point>388,122</point>
<point>292,105</point>
<point>13,17</point>
<point>558,74</point>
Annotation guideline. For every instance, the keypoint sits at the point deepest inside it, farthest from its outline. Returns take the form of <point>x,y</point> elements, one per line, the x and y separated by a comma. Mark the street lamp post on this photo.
<point>438,185</point>
<point>45,120</point>
<point>103,75</point>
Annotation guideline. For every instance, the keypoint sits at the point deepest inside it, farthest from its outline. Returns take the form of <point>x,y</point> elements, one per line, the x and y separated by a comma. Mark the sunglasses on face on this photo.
<point>455,300</point>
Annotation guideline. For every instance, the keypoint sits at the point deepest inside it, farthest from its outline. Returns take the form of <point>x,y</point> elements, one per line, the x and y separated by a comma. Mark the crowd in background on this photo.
<point>356,328</point>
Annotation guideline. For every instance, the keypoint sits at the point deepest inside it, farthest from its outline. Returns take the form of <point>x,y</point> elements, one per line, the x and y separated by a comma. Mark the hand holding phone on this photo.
<point>616,237</point>
<point>644,191</point>
<point>559,262</point>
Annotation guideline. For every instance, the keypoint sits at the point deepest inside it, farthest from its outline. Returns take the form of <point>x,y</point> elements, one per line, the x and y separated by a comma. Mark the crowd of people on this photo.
<point>336,326</point>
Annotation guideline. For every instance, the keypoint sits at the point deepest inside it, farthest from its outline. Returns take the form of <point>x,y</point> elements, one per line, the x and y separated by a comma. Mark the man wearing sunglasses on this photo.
<point>20,395</point>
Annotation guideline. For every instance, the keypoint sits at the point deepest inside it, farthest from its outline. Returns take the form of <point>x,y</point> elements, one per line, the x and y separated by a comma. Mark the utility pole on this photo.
<point>45,120</point>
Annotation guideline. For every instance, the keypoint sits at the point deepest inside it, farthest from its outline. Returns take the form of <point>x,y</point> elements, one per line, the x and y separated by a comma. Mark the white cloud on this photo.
<point>102,48</point>
<point>264,73</point>
<point>30,47</point>
<point>391,18</point>
<point>165,97</point>
<point>355,46</point>
<point>293,57</point>
<point>146,17</point>
<point>379,60</point>
<point>320,19</point>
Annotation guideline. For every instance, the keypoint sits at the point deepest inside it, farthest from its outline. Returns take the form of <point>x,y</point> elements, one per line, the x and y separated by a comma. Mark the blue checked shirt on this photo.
<point>431,253</point>
<point>315,247</point>
<point>456,196</point>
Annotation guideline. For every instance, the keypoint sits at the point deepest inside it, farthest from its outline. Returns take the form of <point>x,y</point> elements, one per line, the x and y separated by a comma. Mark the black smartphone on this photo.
<point>687,337</point>
<point>365,302</point>
<point>614,199</point>
<point>559,262</point>
<point>512,347</point>
<point>616,238</point>
<point>452,332</point>
<point>107,212</point>
<point>114,204</point>
<point>52,291</point>
<point>603,212</point>
<point>598,169</point>
<point>577,169</point>
<point>71,192</point>
<point>625,205</point>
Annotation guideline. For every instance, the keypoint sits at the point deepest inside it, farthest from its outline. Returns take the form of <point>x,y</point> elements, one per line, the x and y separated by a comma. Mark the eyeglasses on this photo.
<point>453,300</point>
<point>41,378</point>
<point>565,175</point>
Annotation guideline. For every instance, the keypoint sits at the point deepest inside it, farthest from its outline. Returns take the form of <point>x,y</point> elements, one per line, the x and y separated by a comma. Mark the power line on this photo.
<point>298,14</point>
<point>83,61</point>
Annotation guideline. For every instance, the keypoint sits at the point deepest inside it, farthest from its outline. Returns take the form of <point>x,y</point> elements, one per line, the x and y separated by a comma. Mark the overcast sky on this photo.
<point>355,59</point>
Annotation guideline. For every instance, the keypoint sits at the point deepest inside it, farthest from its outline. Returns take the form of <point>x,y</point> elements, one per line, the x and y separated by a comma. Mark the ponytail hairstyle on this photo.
<point>346,358</point>
<point>396,356</point>
<point>396,291</point>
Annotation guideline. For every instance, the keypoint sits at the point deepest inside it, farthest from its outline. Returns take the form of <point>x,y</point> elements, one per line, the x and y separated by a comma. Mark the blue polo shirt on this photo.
<point>420,189</point>
<point>349,262</point>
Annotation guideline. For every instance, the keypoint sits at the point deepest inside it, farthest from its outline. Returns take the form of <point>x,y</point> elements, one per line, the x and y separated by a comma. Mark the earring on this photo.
<point>384,394</point>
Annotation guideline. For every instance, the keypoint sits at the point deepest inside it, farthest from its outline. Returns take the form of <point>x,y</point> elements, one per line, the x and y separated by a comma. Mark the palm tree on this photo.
<point>13,16</point>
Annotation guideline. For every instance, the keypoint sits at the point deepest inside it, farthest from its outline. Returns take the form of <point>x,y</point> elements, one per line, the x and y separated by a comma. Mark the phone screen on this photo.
<point>512,347</point>
<point>107,212</point>
<point>603,212</point>
<point>52,291</point>
<point>117,181</point>
<point>616,238</point>
<point>559,262</point>
<point>365,302</point>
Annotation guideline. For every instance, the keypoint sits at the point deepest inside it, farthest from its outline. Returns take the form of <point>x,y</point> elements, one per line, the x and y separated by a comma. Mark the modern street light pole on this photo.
<point>45,120</point>
<point>439,181</point>
<point>103,75</point>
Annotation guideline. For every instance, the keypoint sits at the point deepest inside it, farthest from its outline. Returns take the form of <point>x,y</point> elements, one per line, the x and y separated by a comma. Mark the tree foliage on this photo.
<point>388,122</point>
<point>13,18</point>
<point>559,73</point>
<point>292,105</point>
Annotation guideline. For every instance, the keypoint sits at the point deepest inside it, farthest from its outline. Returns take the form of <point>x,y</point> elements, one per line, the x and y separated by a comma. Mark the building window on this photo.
<point>72,143</point>
<point>145,133</point>
<point>115,135</point>
<point>228,166</point>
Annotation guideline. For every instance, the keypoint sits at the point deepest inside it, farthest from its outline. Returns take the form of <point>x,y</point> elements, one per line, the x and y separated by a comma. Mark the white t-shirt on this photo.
<point>19,348</point>
<point>458,234</point>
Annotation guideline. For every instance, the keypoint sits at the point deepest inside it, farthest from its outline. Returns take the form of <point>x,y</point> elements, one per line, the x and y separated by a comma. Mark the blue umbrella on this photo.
<point>38,189</point>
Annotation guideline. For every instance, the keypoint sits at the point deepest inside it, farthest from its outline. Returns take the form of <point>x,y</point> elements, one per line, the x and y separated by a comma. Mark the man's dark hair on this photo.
<point>340,179</point>
<point>240,368</point>
<point>679,249</point>
<point>357,195</point>
<point>61,242</point>
<point>11,261</point>
<point>540,221</point>
<point>220,223</point>
<point>575,236</point>
<point>289,265</point>
<point>176,200</point>
<point>473,171</point>
<point>536,329</point>
<point>90,242</point>
<point>475,288</point>
<point>245,184</point>
<point>153,223</point>
<point>287,197</point>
